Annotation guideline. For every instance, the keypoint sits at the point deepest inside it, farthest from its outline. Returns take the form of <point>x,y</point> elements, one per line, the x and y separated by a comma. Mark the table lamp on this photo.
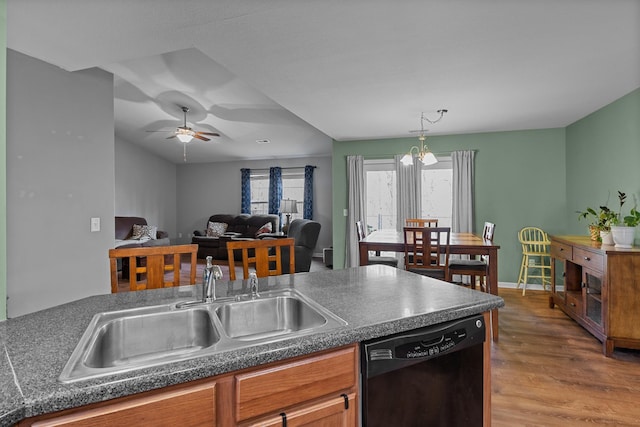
<point>288,207</point>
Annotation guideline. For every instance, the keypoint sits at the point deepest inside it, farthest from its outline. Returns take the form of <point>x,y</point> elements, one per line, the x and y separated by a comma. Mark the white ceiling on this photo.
<point>300,72</point>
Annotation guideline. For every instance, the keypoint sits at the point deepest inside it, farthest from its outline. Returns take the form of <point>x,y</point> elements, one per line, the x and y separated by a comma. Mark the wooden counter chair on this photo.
<point>427,251</point>
<point>421,222</point>
<point>474,267</point>
<point>155,273</point>
<point>264,255</point>
<point>535,257</point>
<point>377,258</point>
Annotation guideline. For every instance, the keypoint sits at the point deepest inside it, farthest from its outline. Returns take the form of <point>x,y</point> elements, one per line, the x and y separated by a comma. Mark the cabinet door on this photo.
<point>333,412</point>
<point>592,296</point>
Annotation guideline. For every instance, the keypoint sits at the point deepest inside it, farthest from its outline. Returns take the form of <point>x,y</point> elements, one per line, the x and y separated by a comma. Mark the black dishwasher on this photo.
<point>431,376</point>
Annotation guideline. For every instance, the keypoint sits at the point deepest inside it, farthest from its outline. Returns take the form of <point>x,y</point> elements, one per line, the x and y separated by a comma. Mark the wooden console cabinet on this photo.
<point>599,287</point>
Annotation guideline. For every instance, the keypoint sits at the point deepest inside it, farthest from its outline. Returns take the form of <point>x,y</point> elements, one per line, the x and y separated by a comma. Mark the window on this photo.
<point>437,191</point>
<point>381,194</point>
<point>381,189</point>
<point>292,188</point>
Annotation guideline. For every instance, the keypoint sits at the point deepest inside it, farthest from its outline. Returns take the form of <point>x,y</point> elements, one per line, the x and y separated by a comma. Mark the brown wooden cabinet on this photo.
<point>599,287</point>
<point>317,389</point>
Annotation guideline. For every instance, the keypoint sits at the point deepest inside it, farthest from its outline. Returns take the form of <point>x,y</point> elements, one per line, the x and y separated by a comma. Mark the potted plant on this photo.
<point>600,225</point>
<point>624,227</point>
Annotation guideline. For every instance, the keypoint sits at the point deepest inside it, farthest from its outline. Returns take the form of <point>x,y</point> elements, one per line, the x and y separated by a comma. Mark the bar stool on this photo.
<point>474,268</point>
<point>535,256</point>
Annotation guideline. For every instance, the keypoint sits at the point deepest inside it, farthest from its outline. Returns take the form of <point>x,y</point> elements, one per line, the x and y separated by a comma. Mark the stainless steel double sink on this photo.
<point>125,340</point>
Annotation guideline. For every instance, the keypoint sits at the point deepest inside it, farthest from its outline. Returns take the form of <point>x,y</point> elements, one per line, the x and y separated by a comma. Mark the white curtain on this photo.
<point>463,177</point>
<point>356,202</point>
<point>409,194</point>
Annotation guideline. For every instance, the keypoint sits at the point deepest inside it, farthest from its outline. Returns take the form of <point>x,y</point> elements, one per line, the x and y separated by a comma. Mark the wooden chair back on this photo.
<point>427,250</point>
<point>155,269</point>
<point>360,229</point>
<point>421,222</point>
<point>264,255</point>
<point>534,241</point>
<point>487,231</point>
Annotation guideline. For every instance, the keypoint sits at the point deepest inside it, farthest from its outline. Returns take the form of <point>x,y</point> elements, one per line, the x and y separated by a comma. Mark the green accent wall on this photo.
<point>3,160</point>
<point>603,156</point>
<point>519,181</point>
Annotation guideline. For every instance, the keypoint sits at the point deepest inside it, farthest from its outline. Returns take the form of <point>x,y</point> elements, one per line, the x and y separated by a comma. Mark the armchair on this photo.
<point>305,233</point>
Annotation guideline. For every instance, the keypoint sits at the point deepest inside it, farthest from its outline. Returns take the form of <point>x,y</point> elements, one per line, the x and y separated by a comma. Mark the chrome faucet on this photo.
<point>253,284</point>
<point>209,276</point>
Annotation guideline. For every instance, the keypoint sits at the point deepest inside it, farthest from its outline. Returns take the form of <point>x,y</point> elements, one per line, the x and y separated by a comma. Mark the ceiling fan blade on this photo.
<point>208,133</point>
<point>197,135</point>
<point>159,131</point>
<point>172,136</point>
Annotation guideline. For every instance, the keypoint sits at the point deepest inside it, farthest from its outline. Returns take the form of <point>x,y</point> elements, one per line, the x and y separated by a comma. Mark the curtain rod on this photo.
<point>291,167</point>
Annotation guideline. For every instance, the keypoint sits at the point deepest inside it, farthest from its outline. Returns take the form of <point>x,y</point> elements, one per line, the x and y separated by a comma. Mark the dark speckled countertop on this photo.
<point>375,301</point>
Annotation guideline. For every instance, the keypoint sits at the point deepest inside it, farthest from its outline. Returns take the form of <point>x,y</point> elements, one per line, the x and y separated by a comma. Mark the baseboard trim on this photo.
<point>513,285</point>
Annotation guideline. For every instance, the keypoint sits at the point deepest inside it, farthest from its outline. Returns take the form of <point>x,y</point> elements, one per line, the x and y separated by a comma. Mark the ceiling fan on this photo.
<point>185,134</point>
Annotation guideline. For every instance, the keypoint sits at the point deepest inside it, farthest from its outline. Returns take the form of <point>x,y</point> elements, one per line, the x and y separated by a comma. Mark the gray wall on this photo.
<point>60,163</point>
<point>145,186</point>
<point>211,188</point>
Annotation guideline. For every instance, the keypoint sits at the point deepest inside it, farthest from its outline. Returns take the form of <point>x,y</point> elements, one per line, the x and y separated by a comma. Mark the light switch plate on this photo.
<point>95,224</point>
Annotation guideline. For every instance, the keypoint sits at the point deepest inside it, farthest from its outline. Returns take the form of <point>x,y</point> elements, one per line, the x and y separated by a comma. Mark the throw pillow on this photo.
<point>144,232</point>
<point>216,229</point>
<point>264,229</point>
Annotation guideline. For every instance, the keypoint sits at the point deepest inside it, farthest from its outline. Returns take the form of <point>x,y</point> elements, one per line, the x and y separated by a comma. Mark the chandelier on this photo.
<point>424,154</point>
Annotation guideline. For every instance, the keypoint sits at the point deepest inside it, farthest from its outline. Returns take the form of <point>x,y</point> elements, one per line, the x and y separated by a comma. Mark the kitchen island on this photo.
<point>375,301</point>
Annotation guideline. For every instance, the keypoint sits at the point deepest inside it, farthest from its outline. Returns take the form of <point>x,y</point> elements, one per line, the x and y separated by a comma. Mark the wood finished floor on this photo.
<point>548,371</point>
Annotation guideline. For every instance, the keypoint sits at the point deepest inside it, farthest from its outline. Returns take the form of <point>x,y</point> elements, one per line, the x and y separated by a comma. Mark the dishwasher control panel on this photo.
<point>393,352</point>
<point>432,346</point>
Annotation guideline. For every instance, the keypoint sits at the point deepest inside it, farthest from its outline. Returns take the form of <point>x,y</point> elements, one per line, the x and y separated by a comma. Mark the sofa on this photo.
<point>305,232</point>
<point>226,227</point>
<point>125,238</point>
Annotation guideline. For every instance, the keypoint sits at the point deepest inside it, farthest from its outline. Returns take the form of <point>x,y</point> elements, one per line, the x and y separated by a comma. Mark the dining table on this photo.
<point>390,240</point>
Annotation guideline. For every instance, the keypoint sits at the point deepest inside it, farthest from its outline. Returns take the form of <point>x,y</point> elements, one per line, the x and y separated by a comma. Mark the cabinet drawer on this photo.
<point>272,389</point>
<point>592,260</point>
<point>574,303</point>
<point>560,250</point>
<point>191,406</point>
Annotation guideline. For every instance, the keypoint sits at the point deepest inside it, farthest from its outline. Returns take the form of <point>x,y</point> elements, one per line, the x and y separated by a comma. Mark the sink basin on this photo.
<point>125,340</point>
<point>268,317</point>
<point>144,338</point>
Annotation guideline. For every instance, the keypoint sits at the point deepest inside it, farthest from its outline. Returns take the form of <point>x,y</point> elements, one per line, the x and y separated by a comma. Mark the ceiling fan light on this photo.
<point>184,137</point>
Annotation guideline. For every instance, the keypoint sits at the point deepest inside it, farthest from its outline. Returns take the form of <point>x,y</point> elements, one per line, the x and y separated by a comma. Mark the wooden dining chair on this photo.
<point>421,222</point>
<point>377,258</point>
<point>265,256</point>
<point>154,272</point>
<point>427,251</point>
<point>475,268</point>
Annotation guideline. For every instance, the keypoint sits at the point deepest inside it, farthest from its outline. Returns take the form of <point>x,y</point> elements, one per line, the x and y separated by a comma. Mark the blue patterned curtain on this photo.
<point>275,190</point>
<point>308,192</point>
<point>246,191</point>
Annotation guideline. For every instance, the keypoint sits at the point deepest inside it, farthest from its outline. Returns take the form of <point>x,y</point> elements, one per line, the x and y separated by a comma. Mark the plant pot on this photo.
<point>623,236</point>
<point>594,232</point>
<point>606,237</point>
